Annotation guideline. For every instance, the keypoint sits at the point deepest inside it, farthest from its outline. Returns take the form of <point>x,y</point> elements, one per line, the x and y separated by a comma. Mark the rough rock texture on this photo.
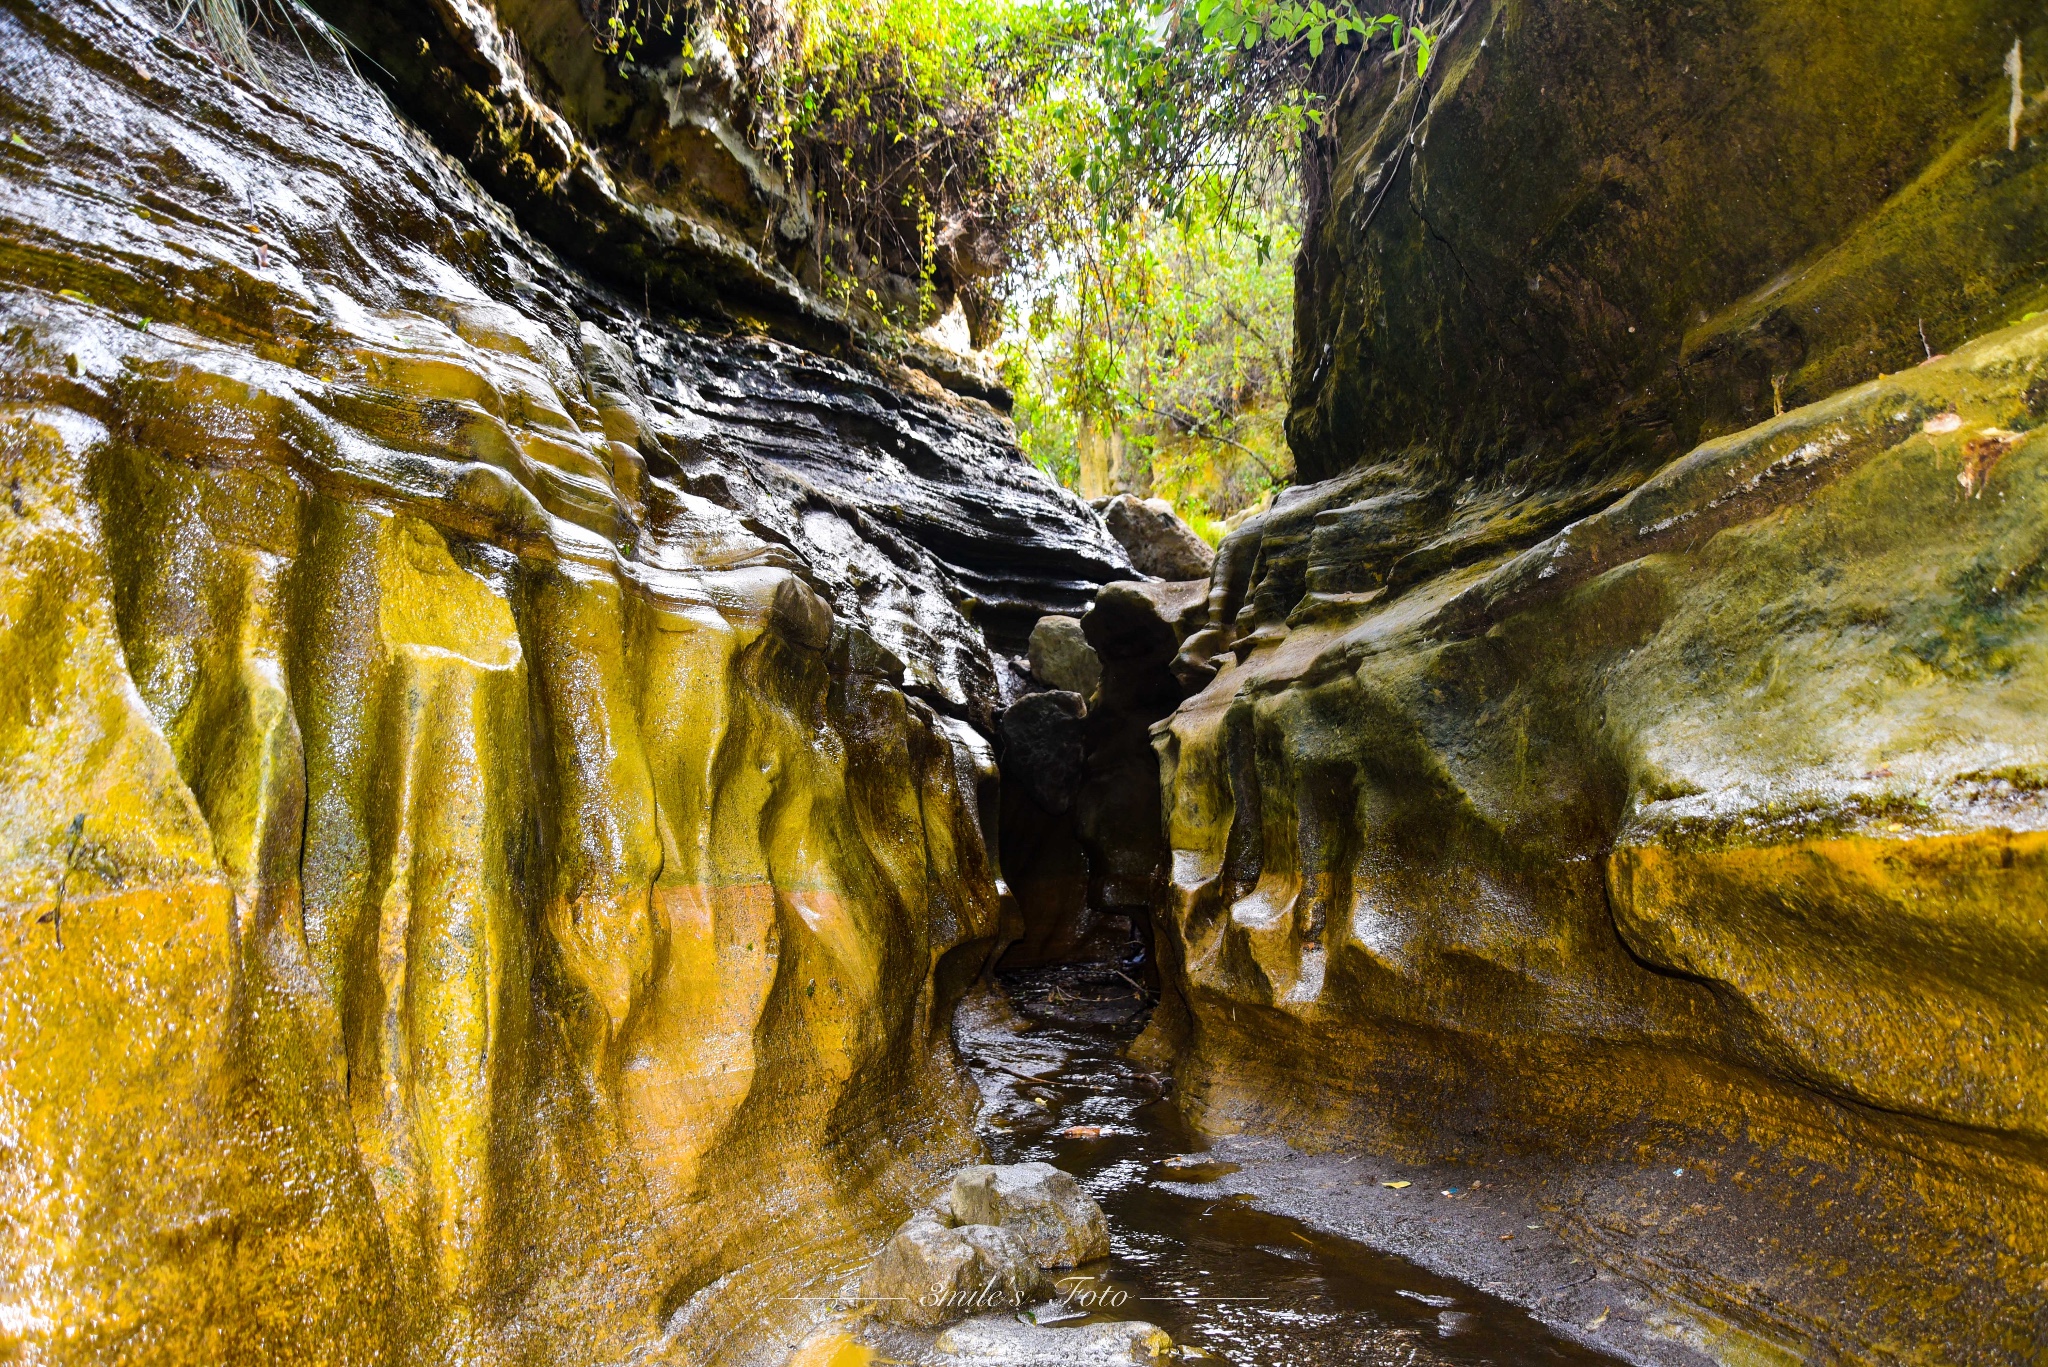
<point>1128,1343</point>
<point>931,1273</point>
<point>1060,1225</point>
<point>1042,753</point>
<point>1088,858</point>
<point>1704,834</point>
<point>493,826</point>
<point>1159,543</point>
<point>1600,232</point>
<point>644,171</point>
<point>1061,657</point>
<point>1568,790</point>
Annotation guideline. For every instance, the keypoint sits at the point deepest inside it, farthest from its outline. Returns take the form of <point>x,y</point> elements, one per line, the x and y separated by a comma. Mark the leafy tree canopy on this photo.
<point>1115,176</point>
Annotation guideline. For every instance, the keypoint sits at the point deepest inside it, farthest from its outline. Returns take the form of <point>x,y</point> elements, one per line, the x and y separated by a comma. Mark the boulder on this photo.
<point>930,1273</point>
<point>993,1339</point>
<point>1158,542</point>
<point>1058,1223</point>
<point>1062,658</point>
<point>1042,748</point>
<point>1136,630</point>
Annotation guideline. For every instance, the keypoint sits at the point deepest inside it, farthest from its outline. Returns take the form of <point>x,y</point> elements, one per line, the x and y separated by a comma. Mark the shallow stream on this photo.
<point>1231,1284</point>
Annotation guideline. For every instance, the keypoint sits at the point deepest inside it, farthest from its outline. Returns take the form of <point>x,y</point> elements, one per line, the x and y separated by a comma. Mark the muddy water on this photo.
<point>1230,1283</point>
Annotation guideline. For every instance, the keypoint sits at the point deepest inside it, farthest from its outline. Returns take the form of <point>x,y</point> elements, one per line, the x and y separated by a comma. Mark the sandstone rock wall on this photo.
<point>1602,232</point>
<point>1704,835</point>
<point>496,802</point>
<point>1667,821</point>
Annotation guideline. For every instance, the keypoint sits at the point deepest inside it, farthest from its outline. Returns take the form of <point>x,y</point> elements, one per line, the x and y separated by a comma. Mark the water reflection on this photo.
<point>1231,1284</point>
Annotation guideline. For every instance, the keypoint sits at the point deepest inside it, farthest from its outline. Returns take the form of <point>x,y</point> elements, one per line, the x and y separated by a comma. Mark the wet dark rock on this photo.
<point>1042,747</point>
<point>1555,727</point>
<point>1108,842</point>
<point>387,568</point>
<point>1136,629</point>
<point>1567,253</point>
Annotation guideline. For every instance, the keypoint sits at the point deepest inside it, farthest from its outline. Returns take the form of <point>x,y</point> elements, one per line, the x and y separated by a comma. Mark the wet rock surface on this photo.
<point>1593,239</point>
<point>1061,657</point>
<point>1088,857</point>
<point>932,1272</point>
<point>1650,796</point>
<point>1060,1225</point>
<point>1011,1344</point>
<point>1617,767</point>
<point>1043,749</point>
<point>981,1245</point>
<point>496,775</point>
<point>1226,1280</point>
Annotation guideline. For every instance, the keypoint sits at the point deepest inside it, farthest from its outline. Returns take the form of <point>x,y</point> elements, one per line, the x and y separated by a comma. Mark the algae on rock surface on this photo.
<point>498,805</point>
<point>1597,233</point>
<point>1570,790</point>
<point>494,824</point>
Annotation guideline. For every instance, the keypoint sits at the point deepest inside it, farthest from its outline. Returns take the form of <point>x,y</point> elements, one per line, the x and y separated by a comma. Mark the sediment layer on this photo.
<point>497,799</point>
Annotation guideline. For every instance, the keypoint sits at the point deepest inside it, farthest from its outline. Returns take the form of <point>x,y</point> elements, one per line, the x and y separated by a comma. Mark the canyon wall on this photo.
<point>1626,763</point>
<point>497,806</point>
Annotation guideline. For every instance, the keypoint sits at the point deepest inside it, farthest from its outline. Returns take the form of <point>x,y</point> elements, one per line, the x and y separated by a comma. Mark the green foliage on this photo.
<point>1234,23</point>
<point>624,26</point>
<point>1120,171</point>
<point>957,143</point>
<point>1174,335</point>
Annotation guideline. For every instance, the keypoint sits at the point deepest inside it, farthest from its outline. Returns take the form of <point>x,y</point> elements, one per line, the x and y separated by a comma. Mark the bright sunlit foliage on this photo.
<point>1104,185</point>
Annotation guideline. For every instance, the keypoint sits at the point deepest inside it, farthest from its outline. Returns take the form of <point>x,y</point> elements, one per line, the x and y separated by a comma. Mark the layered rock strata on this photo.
<point>497,796</point>
<point>1560,791</point>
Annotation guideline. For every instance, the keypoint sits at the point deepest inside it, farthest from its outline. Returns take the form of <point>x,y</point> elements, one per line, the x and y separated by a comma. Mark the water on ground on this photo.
<point>1231,1284</point>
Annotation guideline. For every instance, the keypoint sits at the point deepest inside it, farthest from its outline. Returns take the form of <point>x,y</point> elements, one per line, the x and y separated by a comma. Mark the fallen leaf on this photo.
<point>1942,423</point>
<point>73,295</point>
<point>1600,1318</point>
<point>1505,1237</point>
<point>19,141</point>
<point>1083,1132</point>
<point>1980,454</point>
<point>1397,1186</point>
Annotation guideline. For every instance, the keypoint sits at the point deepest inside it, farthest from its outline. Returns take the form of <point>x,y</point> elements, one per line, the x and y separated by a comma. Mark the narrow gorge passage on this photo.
<point>635,733</point>
<point>1230,1283</point>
